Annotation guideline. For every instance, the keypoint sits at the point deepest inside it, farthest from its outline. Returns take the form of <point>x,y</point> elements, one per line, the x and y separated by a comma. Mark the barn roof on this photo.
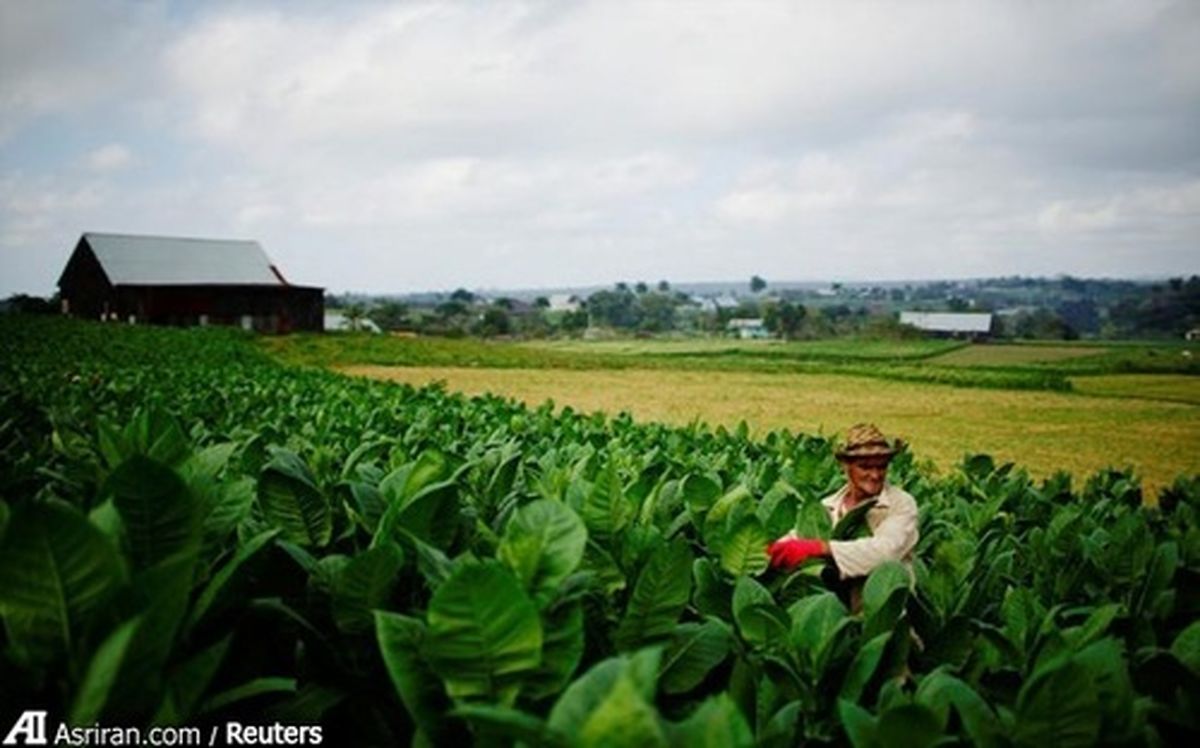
<point>165,260</point>
<point>980,322</point>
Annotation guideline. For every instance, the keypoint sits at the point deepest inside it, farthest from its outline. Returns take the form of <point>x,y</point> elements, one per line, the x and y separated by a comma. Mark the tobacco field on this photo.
<point>191,532</point>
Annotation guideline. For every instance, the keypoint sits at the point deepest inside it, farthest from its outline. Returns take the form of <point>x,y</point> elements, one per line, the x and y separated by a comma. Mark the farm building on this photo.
<point>748,328</point>
<point>163,280</point>
<point>336,321</point>
<point>950,324</point>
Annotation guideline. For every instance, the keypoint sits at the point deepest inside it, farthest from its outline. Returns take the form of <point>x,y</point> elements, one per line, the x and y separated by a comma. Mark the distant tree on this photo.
<point>20,303</point>
<point>1042,324</point>
<point>495,321</point>
<point>463,295</point>
<point>657,312</point>
<point>390,315</point>
<point>757,284</point>
<point>1081,315</point>
<point>614,308</point>
<point>505,303</point>
<point>449,309</point>
<point>784,319</point>
<point>663,286</point>
<point>641,287</point>
<point>957,304</point>
<point>541,302</point>
<point>622,287</point>
<point>575,321</point>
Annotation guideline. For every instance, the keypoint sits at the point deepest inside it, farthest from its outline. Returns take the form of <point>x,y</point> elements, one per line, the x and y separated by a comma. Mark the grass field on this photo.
<point>1041,431</point>
<point>1009,355</point>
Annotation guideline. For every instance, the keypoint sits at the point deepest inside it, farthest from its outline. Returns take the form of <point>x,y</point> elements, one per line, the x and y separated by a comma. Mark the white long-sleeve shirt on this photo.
<point>893,524</point>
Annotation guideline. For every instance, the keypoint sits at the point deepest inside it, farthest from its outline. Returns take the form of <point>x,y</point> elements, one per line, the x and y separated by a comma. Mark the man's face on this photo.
<point>866,474</point>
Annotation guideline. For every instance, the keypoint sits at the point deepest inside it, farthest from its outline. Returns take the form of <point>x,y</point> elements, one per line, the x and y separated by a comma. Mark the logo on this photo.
<point>31,726</point>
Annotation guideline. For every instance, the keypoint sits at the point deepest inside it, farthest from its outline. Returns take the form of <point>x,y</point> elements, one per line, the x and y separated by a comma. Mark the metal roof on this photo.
<point>948,321</point>
<point>174,261</point>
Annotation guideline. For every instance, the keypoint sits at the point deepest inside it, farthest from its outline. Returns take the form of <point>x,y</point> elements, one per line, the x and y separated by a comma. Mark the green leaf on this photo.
<point>222,586</point>
<point>737,498</point>
<point>908,726</point>
<point>717,723</point>
<point>695,649</point>
<point>883,582</point>
<point>251,689</point>
<point>188,682</point>
<point>543,544</point>
<point>712,593</point>
<point>400,639</point>
<point>483,633</point>
<point>661,593</point>
<point>291,501</point>
<point>505,722</point>
<point>699,492</point>
<point>884,596</point>
<point>605,509</point>
<point>431,515</point>
<point>751,601</point>
<point>5,514</point>
<point>404,483</point>
<point>1186,647</point>
<point>1058,705</point>
<point>860,726</point>
<point>93,692</point>
<point>562,648</point>
<point>941,691</point>
<point>816,620</point>
<point>853,523</point>
<point>158,511</point>
<point>1094,627</point>
<point>56,570</point>
<point>863,666</point>
<point>588,693</point>
<point>165,589</point>
<point>743,550</point>
<point>229,507</point>
<point>364,584</point>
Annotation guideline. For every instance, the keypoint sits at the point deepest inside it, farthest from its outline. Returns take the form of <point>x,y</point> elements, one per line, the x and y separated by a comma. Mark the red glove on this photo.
<point>789,552</point>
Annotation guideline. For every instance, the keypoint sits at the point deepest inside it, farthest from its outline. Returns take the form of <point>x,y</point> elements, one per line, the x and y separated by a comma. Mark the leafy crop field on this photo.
<point>1044,432</point>
<point>191,532</point>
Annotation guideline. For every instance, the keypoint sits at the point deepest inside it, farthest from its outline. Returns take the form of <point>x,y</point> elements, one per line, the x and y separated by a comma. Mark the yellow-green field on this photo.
<point>1008,355</point>
<point>1041,431</point>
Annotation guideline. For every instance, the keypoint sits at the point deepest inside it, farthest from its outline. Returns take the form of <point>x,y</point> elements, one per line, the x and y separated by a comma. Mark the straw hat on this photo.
<point>866,440</point>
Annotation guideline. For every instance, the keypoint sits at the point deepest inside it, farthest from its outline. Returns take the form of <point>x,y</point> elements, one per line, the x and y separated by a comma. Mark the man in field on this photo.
<point>891,519</point>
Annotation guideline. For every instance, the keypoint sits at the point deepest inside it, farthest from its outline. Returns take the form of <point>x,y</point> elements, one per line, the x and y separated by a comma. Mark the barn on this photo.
<point>161,280</point>
<point>975,325</point>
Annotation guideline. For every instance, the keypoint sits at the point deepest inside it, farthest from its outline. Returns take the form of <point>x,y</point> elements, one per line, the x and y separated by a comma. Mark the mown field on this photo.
<point>192,532</point>
<point>1044,432</point>
<point>1045,407</point>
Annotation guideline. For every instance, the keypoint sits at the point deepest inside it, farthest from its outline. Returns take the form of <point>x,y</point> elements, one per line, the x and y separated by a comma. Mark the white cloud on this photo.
<point>381,146</point>
<point>111,157</point>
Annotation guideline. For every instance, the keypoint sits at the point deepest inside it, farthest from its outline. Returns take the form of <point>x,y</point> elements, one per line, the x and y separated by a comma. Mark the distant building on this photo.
<point>162,280</point>
<point>748,328</point>
<point>1192,334</point>
<point>336,321</point>
<point>715,303</point>
<point>950,324</point>
<point>563,302</point>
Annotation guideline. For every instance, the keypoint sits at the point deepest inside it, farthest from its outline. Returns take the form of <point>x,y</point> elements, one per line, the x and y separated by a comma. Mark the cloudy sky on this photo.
<point>419,146</point>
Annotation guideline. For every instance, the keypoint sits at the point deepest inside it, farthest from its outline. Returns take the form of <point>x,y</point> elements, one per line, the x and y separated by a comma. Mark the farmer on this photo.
<point>891,519</point>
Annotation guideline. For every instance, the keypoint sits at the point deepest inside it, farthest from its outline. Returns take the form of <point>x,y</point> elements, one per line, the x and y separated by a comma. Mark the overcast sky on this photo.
<point>421,146</point>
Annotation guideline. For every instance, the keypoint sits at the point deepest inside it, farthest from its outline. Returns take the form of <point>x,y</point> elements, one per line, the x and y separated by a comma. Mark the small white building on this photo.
<point>953,324</point>
<point>337,322</point>
<point>748,329</point>
<point>564,302</point>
